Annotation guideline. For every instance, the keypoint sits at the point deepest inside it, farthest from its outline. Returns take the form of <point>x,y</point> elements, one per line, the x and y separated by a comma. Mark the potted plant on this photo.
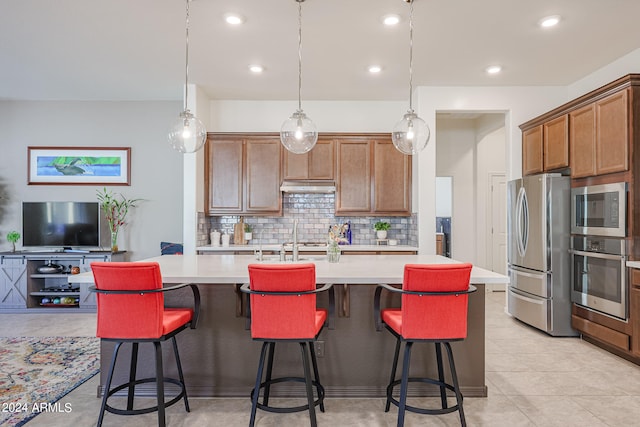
<point>381,228</point>
<point>13,237</point>
<point>247,232</point>
<point>115,208</point>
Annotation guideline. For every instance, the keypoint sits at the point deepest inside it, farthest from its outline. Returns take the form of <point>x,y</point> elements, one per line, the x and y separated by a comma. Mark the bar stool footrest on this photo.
<point>284,410</point>
<point>149,409</point>
<point>428,411</point>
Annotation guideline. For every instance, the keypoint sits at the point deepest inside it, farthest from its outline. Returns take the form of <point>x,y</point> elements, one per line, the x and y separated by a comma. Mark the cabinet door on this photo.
<point>556,143</point>
<point>262,187</point>
<point>582,141</point>
<point>322,163</point>
<point>353,183</point>
<point>532,151</point>
<point>224,161</point>
<point>612,130</point>
<point>13,283</point>
<point>391,180</point>
<point>319,163</point>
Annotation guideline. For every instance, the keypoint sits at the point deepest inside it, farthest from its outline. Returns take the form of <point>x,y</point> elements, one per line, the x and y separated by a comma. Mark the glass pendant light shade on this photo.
<point>298,133</point>
<point>188,134</point>
<point>411,134</point>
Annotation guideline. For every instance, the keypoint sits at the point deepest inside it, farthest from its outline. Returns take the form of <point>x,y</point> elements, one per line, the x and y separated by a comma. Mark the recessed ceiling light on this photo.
<point>375,69</point>
<point>493,69</point>
<point>256,68</point>
<point>390,20</point>
<point>233,19</point>
<point>549,21</point>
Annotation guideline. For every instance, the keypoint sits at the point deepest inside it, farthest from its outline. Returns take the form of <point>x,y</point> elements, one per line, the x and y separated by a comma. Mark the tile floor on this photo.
<point>533,380</point>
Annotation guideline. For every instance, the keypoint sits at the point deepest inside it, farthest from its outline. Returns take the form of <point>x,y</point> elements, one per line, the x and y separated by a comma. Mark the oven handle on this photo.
<point>596,255</point>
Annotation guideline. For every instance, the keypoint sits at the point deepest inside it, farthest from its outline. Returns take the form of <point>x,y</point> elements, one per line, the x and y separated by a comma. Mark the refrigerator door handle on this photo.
<point>532,275</point>
<point>522,221</point>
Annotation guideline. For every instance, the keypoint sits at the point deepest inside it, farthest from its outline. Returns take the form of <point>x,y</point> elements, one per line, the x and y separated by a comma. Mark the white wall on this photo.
<point>627,64</point>
<point>519,104</point>
<point>156,175</point>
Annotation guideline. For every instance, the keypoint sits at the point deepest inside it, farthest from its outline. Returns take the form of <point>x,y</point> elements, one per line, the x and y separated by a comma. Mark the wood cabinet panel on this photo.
<point>319,163</point>
<point>322,163</point>
<point>263,176</point>
<point>243,175</point>
<point>225,167</point>
<point>582,141</point>
<point>353,189</point>
<point>556,143</point>
<point>391,179</point>
<point>532,160</point>
<point>612,133</point>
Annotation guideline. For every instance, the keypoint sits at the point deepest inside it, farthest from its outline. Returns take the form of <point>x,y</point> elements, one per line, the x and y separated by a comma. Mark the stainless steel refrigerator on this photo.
<point>538,218</point>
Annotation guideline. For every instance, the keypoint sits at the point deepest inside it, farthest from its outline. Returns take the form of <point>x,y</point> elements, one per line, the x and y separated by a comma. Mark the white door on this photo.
<point>498,227</point>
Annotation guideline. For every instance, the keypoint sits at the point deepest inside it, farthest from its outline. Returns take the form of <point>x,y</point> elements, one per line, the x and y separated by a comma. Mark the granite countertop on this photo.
<point>276,248</point>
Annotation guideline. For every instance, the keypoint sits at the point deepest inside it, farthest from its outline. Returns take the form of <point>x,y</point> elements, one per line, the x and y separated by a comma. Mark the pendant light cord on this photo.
<point>186,62</point>
<point>299,54</point>
<point>410,55</point>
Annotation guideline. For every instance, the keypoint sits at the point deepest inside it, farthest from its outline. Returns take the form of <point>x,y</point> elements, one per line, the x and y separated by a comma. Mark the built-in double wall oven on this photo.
<point>599,248</point>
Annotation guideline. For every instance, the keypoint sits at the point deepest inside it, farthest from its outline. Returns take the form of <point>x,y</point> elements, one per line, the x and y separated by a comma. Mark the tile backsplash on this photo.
<point>315,213</point>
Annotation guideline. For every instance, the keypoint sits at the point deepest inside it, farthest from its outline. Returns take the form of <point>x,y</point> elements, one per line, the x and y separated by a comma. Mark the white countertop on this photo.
<point>633,264</point>
<point>276,248</point>
<point>352,269</point>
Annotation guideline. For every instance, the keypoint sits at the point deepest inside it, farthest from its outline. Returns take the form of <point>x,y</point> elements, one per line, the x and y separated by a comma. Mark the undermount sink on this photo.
<point>289,258</point>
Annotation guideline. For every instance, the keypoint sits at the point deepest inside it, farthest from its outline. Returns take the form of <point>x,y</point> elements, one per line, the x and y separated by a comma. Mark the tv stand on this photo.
<point>24,289</point>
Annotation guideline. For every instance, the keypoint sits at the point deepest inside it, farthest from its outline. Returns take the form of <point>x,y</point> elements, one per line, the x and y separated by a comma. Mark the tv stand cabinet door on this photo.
<point>13,282</point>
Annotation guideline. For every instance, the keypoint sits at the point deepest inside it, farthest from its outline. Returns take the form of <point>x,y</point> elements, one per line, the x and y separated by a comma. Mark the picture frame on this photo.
<point>79,165</point>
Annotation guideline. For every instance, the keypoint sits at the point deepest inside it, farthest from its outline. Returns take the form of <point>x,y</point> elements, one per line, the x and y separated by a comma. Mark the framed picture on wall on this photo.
<point>79,165</point>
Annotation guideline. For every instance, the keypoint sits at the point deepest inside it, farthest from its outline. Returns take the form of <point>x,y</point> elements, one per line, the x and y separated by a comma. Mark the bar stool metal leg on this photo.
<point>180,374</point>
<point>159,384</point>
<point>107,386</point>
<point>443,390</point>
<point>456,386</point>
<point>256,388</point>
<point>309,388</point>
<point>267,387</point>
<point>314,363</point>
<point>132,375</point>
<point>392,378</point>
<point>404,383</point>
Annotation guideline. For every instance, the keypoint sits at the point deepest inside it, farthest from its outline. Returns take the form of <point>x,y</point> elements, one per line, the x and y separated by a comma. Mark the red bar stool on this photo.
<point>131,310</point>
<point>434,310</point>
<point>283,309</point>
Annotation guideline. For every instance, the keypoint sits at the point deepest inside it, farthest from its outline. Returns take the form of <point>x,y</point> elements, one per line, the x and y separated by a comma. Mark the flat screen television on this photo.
<point>61,224</point>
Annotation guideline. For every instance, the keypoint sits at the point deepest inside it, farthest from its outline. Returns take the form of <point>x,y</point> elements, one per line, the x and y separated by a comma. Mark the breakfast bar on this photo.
<point>220,358</point>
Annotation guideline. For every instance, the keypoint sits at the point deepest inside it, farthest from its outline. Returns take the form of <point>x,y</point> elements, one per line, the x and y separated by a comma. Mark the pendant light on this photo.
<point>411,134</point>
<point>298,133</point>
<point>187,134</point>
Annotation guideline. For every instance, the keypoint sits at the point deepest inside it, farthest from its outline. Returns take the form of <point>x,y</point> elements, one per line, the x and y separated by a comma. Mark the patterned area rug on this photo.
<point>35,372</point>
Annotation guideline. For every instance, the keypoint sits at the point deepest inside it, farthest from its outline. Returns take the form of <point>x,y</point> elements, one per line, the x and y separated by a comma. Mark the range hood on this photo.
<point>290,186</point>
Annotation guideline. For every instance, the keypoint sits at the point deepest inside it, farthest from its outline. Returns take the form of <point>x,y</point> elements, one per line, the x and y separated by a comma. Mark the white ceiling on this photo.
<point>134,49</point>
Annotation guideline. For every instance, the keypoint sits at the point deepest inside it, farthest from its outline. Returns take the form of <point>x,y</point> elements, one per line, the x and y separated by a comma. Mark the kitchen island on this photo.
<point>220,359</point>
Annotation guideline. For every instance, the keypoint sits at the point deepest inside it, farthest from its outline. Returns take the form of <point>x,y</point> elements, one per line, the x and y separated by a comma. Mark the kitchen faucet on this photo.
<point>295,239</point>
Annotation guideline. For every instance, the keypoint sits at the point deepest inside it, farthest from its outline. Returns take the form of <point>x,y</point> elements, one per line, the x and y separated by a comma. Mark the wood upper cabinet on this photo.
<point>599,137</point>
<point>225,175</point>
<point>372,178</point>
<point>556,143</point>
<point>262,176</point>
<point>532,160</point>
<point>319,163</point>
<point>353,183</point>
<point>243,175</point>
<point>612,133</point>
<point>391,180</point>
<point>582,141</point>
